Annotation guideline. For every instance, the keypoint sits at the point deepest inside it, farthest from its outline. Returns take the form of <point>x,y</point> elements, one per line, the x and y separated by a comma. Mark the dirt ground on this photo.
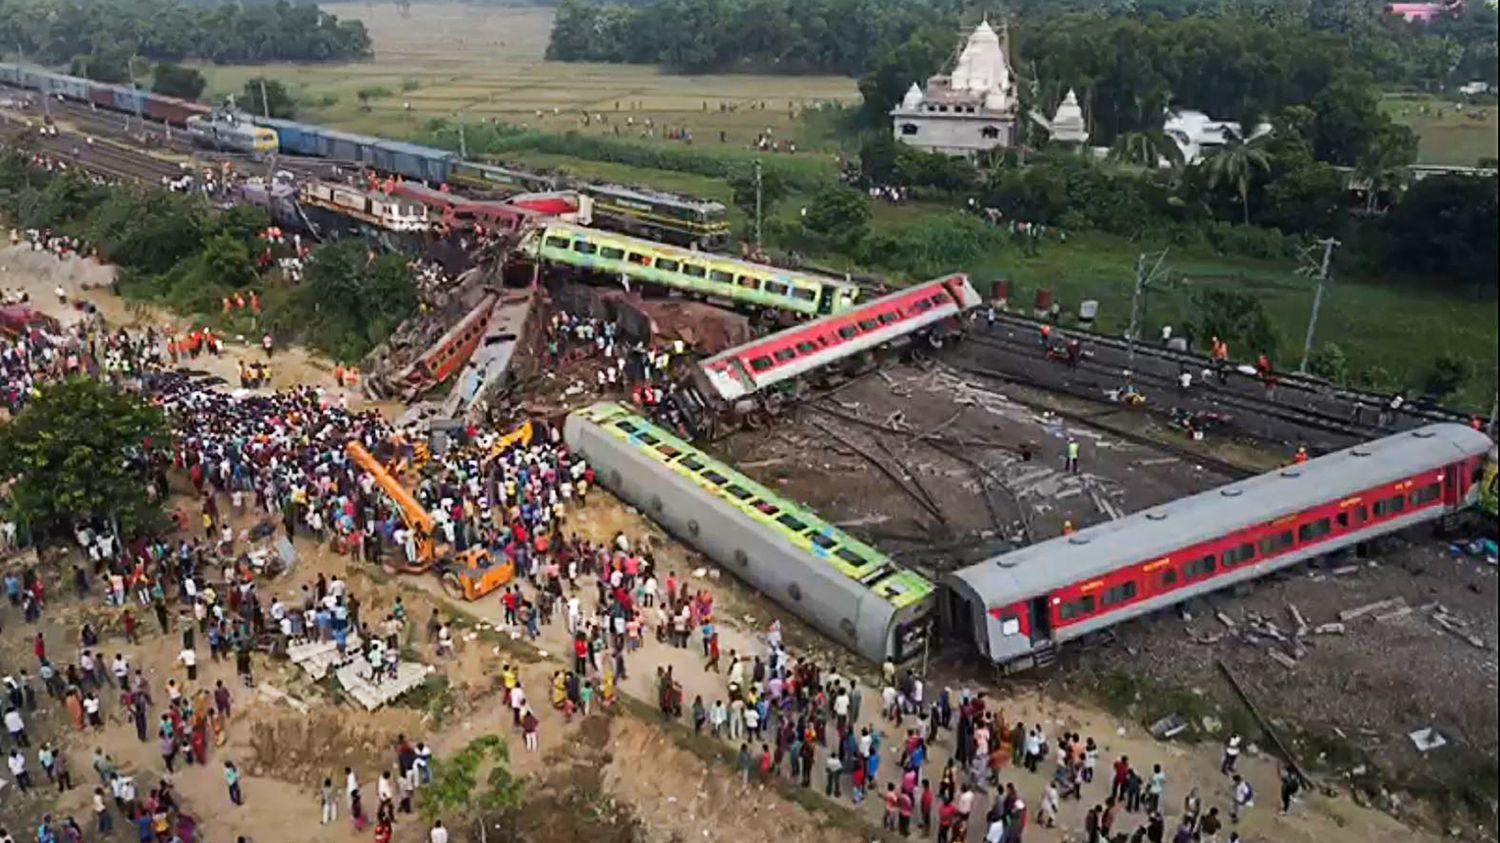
<point>650,782</point>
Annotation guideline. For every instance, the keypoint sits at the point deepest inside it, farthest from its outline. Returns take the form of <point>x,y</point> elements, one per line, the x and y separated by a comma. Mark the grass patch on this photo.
<point>1145,701</point>
<point>1448,132</point>
<point>434,698</point>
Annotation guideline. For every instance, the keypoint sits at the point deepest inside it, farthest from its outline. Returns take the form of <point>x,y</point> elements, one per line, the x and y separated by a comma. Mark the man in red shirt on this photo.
<point>947,815</point>
<point>1122,772</point>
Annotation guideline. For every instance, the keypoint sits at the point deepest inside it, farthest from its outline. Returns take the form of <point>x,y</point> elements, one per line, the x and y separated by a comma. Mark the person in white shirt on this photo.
<point>189,659</point>
<point>17,763</point>
<point>438,833</point>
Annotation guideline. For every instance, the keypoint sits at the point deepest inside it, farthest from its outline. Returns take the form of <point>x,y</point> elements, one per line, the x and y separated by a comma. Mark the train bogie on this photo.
<point>843,588</point>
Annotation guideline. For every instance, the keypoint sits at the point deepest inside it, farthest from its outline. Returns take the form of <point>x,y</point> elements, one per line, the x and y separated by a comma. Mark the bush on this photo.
<point>1251,241</point>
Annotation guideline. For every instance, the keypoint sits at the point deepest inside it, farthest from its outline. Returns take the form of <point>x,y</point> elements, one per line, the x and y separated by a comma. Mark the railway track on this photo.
<point>1330,399</point>
<point>1266,419</point>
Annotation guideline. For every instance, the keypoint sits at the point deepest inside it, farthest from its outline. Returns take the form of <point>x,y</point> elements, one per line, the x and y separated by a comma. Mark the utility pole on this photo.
<point>463,147</point>
<point>1143,281</point>
<point>758,241</point>
<point>1328,244</point>
<point>265,104</point>
<point>135,97</point>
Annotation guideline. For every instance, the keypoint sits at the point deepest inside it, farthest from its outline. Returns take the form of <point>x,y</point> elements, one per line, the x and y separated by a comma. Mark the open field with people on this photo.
<point>1450,132</point>
<point>486,63</point>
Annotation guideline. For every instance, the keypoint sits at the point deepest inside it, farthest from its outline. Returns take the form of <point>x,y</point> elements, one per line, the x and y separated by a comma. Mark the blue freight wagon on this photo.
<point>295,138</point>
<point>413,161</point>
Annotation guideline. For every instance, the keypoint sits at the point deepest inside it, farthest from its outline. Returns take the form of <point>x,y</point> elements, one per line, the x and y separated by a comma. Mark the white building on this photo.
<point>967,111</point>
<point>1067,125</point>
<point>1197,135</point>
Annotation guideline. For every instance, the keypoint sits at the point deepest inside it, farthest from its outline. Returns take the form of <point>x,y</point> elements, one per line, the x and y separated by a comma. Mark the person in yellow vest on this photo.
<point>1072,461</point>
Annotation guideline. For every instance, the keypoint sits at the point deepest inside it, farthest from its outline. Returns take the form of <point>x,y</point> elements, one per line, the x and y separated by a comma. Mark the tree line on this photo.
<point>109,33</point>
<point>779,36</point>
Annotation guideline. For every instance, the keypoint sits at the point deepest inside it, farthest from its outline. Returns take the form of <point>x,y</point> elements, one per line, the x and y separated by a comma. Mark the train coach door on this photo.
<point>825,299</point>
<point>1041,625</point>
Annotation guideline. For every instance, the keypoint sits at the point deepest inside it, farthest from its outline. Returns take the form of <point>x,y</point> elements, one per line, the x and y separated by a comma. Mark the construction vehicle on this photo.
<point>468,574</point>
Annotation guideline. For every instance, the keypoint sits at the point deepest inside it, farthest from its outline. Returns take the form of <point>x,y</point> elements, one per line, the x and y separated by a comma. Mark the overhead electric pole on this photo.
<point>1143,281</point>
<point>265,104</point>
<point>758,241</point>
<point>1322,274</point>
<point>463,147</point>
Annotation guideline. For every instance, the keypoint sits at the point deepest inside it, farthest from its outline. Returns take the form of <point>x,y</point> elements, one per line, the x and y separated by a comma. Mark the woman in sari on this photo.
<point>559,689</point>
<point>75,707</point>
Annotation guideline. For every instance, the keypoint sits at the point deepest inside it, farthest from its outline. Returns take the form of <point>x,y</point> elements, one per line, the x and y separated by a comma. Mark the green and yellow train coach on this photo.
<point>709,275</point>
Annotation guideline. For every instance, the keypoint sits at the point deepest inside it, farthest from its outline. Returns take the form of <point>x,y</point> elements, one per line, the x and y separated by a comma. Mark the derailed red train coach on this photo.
<point>795,351</point>
<point>1017,608</point>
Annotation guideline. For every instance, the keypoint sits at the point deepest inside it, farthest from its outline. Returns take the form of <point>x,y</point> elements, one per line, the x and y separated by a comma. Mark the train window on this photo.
<point>720,276</point>
<point>848,332</point>
<point>776,288</point>
<point>649,439</point>
<point>868,324</point>
<point>791,523</point>
<point>1010,625</point>
<point>806,347</point>
<point>627,426</point>
<point>822,541</point>
<point>611,253</point>
<point>637,258</point>
<point>1119,594</point>
<point>761,363</point>
<point>785,354</point>
<point>749,282</point>
<point>558,242</point>
<point>1275,544</point>
<point>1426,494</point>
<point>1314,531</point>
<point>766,508</point>
<point>888,317</point>
<point>715,477</point>
<point>667,450</point>
<point>1199,568</point>
<point>939,298</point>
<point>1239,555</point>
<point>808,295</point>
<point>584,247</point>
<point>694,270</point>
<point>1361,515</point>
<point>739,493</point>
<point>923,305</point>
<point>1077,608</point>
<point>691,463</point>
<point>1390,505</point>
<point>666,264</point>
<point>851,557</point>
<point>1169,578</point>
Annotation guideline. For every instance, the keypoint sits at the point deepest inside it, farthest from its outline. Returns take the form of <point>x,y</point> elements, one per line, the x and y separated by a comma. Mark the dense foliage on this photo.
<point>806,36</point>
<point>81,450</point>
<point>176,250</point>
<point>109,32</point>
<point>174,80</point>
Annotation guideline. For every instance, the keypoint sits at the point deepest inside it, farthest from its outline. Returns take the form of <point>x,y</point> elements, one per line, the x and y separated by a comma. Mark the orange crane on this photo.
<point>470,574</point>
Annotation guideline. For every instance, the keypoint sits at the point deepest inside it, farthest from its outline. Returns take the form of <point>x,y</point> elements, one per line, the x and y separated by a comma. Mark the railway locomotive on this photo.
<point>230,132</point>
<point>847,589</point>
<point>1017,608</point>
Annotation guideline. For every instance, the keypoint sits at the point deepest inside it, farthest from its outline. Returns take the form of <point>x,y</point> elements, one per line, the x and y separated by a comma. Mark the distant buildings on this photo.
<point>1197,135</point>
<point>1425,12</point>
<point>968,111</point>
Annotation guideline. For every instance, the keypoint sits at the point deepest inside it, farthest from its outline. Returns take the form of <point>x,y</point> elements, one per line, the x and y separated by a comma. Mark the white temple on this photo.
<point>1066,125</point>
<point>1197,135</point>
<point>967,111</point>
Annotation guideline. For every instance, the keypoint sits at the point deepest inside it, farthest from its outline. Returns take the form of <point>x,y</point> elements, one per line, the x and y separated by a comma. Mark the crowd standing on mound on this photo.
<point>280,459</point>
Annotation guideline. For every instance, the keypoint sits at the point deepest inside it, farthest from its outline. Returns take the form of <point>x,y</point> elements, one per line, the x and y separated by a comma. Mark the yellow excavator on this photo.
<point>469,574</point>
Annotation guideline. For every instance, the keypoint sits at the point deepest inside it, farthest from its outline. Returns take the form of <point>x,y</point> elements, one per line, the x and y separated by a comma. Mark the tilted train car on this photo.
<point>800,349</point>
<point>491,177</point>
<point>850,591</point>
<point>389,213</point>
<point>1020,606</point>
<point>690,271</point>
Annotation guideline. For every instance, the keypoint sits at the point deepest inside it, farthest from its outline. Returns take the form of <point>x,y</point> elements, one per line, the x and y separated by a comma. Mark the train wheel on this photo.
<point>452,587</point>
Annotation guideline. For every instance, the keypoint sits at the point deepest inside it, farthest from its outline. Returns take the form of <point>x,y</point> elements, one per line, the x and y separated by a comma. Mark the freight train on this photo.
<point>663,216</point>
<point>845,588</point>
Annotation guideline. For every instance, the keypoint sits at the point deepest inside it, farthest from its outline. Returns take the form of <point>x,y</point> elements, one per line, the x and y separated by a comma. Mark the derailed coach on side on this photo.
<point>846,589</point>
<point>1019,607</point>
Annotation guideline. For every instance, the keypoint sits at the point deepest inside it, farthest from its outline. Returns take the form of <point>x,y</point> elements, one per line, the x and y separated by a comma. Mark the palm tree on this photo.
<point>1236,162</point>
<point>1145,148</point>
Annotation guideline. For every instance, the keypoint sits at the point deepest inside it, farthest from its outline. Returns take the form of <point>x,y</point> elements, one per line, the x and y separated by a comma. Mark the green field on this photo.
<point>1449,132</point>
<point>487,63</point>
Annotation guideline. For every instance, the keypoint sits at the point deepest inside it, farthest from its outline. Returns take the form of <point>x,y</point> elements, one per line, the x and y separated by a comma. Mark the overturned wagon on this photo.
<point>846,589</point>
